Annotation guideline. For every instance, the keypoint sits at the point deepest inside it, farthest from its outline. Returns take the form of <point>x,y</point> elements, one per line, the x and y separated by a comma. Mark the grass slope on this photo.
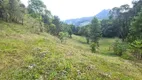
<point>25,55</point>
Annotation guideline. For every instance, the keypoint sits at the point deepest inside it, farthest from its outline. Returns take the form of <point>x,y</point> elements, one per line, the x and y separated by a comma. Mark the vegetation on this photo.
<point>124,22</point>
<point>119,47</point>
<point>136,46</point>
<point>31,44</point>
<point>26,55</point>
<point>95,31</point>
<point>62,36</point>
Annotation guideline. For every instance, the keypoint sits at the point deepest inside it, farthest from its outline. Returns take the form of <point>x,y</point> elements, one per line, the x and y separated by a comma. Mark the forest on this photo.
<point>36,45</point>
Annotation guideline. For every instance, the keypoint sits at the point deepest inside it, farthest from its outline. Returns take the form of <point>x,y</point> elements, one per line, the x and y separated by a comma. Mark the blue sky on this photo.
<point>68,9</point>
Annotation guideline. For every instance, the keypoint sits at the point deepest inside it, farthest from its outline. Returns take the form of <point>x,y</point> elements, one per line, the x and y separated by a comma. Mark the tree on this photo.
<point>23,12</point>
<point>4,9</point>
<point>85,31</point>
<point>1,2</point>
<point>95,31</point>
<point>36,9</point>
<point>136,7</point>
<point>95,34</point>
<point>56,22</point>
<point>121,20</point>
<point>47,17</point>
<point>70,32</point>
<point>124,21</point>
<point>136,28</point>
<point>10,10</point>
<point>14,10</point>
<point>108,28</point>
<point>74,29</point>
<point>52,29</point>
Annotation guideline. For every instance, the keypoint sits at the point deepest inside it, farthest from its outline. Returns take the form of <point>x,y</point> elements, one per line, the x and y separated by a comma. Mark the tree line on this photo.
<point>15,11</point>
<point>125,23</point>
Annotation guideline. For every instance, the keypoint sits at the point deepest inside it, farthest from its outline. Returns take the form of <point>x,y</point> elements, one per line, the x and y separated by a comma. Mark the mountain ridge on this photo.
<point>87,20</point>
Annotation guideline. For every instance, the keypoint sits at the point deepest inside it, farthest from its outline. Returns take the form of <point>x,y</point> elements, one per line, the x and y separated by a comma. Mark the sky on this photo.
<point>70,9</point>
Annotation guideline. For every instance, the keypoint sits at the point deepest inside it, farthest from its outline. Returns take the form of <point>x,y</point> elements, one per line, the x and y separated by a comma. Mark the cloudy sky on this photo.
<point>68,9</point>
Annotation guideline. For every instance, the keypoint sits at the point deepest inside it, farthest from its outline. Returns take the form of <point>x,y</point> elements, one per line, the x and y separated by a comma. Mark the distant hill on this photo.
<point>86,20</point>
<point>104,14</point>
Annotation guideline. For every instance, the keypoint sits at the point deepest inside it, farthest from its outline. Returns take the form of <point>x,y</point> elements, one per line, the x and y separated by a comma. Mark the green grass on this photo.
<point>25,55</point>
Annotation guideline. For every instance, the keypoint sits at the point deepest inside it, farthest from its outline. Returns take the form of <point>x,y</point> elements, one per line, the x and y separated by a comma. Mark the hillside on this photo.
<point>26,54</point>
<point>86,20</point>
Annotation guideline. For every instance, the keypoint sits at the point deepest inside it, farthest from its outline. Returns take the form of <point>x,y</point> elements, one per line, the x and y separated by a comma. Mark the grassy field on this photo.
<point>25,55</point>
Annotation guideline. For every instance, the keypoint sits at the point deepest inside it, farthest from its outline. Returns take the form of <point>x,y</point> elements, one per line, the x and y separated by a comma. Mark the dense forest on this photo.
<point>124,26</point>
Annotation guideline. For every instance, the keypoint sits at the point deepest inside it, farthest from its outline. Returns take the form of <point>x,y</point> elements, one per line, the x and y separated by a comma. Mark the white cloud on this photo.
<point>67,9</point>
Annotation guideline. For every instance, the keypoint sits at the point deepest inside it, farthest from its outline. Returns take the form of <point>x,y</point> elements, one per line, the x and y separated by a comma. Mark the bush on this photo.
<point>93,47</point>
<point>127,56</point>
<point>136,48</point>
<point>119,47</point>
<point>62,36</point>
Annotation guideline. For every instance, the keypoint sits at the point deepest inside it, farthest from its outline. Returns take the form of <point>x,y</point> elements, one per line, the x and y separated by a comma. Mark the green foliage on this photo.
<point>137,44</point>
<point>95,34</point>
<point>136,48</point>
<point>62,36</point>
<point>137,7</point>
<point>109,29</point>
<point>128,56</point>
<point>119,48</point>
<point>12,10</point>
<point>94,47</point>
<point>38,11</point>
<point>135,36</point>
<point>85,31</point>
<point>136,28</point>
<point>67,28</point>
<point>125,23</point>
<point>52,29</point>
<point>36,8</point>
<point>70,32</point>
<point>95,30</point>
<point>57,23</point>
<point>120,21</point>
<point>47,17</point>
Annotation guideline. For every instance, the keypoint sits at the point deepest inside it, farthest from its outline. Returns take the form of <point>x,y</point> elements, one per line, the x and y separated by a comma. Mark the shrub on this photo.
<point>119,47</point>
<point>93,47</point>
<point>136,48</point>
<point>127,56</point>
<point>62,36</point>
